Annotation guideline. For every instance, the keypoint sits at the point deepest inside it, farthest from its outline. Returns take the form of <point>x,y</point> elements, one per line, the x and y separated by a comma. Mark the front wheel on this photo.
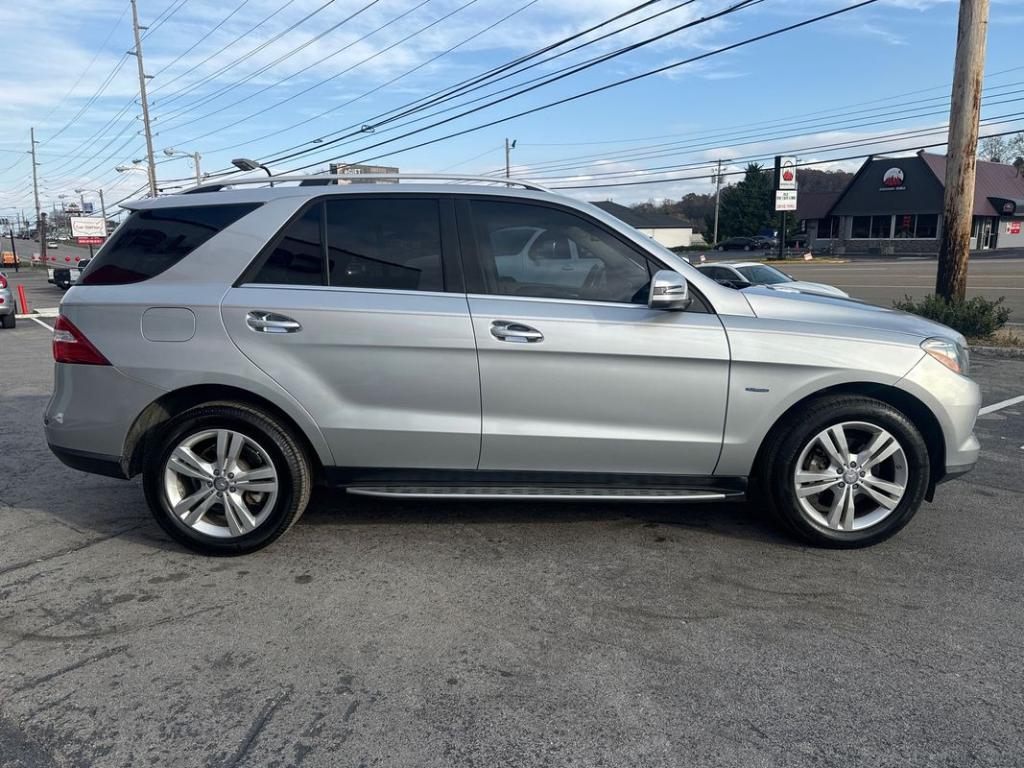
<point>226,479</point>
<point>845,471</point>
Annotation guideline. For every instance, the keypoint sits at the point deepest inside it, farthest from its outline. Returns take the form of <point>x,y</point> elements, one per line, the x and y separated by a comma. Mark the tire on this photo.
<point>8,321</point>
<point>231,520</point>
<point>719,248</point>
<point>817,513</point>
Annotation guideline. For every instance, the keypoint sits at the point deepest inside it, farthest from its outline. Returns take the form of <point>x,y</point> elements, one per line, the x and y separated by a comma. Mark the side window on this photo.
<point>297,259</point>
<point>568,257</point>
<point>385,243</point>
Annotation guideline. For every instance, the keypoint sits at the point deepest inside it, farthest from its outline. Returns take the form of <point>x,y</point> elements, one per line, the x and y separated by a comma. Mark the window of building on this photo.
<point>298,257</point>
<point>385,242</point>
<point>567,257</point>
<point>927,225</point>
<point>861,228</point>
<point>881,227</point>
<point>828,228</point>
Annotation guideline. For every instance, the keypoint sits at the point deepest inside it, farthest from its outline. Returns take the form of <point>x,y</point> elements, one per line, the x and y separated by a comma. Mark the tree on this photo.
<point>994,149</point>
<point>747,206</point>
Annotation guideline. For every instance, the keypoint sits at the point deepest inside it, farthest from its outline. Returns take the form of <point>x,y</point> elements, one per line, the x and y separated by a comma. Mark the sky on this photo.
<point>370,80</point>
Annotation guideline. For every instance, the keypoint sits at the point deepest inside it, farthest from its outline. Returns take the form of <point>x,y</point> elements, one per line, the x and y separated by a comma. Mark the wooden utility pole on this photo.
<point>962,150</point>
<point>35,175</point>
<point>718,199</point>
<point>151,163</point>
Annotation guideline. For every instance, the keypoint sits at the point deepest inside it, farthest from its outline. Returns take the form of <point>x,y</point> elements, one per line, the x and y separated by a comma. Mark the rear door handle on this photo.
<point>518,333</point>
<point>262,321</point>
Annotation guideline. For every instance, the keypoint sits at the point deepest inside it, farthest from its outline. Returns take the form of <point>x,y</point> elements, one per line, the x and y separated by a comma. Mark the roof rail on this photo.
<point>325,178</point>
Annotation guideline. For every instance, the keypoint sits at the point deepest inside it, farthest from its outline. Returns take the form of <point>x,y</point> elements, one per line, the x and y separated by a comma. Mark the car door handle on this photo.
<point>271,322</point>
<point>504,330</point>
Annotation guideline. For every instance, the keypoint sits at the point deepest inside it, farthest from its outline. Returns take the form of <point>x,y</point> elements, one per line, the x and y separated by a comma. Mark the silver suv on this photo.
<point>237,346</point>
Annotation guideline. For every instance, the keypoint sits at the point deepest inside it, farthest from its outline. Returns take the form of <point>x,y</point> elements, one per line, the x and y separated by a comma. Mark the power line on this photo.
<point>174,96</point>
<point>607,86</point>
<point>220,50</point>
<point>348,69</point>
<point>238,83</point>
<point>474,79</point>
<point>559,75</point>
<point>738,173</point>
<point>202,39</point>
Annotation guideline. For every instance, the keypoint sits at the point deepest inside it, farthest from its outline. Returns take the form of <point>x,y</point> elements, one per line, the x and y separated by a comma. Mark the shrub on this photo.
<point>975,317</point>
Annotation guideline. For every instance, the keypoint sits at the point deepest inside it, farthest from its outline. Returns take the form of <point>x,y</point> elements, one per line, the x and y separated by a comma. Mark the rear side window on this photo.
<point>297,258</point>
<point>152,241</point>
<point>389,243</point>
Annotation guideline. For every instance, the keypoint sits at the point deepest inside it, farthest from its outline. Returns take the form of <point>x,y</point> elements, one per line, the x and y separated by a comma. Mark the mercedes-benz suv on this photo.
<point>237,346</point>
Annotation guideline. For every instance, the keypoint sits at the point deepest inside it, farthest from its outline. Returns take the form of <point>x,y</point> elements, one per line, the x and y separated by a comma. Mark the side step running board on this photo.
<point>566,493</point>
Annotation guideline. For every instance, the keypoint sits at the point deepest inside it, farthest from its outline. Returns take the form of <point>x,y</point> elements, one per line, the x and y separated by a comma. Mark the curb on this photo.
<point>1007,352</point>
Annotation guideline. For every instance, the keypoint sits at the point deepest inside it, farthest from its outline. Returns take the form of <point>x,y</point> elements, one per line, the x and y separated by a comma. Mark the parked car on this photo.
<point>737,244</point>
<point>236,347</point>
<point>764,243</point>
<point>8,306</point>
<point>52,244</point>
<point>747,273</point>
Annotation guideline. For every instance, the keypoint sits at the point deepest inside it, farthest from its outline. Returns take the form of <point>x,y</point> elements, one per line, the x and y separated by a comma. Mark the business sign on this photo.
<point>89,240</point>
<point>1013,227</point>
<point>83,226</point>
<point>785,172</point>
<point>892,179</point>
<point>785,200</point>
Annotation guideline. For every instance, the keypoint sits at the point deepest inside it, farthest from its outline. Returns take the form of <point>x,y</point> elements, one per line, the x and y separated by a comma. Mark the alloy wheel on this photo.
<point>220,482</point>
<point>850,476</point>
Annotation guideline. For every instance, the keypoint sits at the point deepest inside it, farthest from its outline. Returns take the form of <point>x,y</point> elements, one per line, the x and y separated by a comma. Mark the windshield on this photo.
<point>764,275</point>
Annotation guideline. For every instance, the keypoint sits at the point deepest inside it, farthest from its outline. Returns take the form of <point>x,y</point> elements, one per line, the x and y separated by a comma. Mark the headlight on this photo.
<point>949,353</point>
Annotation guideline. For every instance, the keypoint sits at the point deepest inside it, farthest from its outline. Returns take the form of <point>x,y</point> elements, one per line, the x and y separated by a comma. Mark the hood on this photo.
<point>803,285</point>
<point>845,312</point>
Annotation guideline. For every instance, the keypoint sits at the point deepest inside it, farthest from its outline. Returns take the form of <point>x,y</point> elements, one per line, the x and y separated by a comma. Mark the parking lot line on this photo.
<point>47,326</point>
<point>1000,405</point>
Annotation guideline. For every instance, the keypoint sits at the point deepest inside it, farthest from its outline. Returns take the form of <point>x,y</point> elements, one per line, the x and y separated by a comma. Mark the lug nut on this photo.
<point>862,473</point>
<point>232,489</point>
<point>231,475</point>
<point>216,471</point>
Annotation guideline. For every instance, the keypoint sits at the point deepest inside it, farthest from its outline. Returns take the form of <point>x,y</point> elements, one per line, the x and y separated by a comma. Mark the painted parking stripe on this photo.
<point>1000,405</point>
<point>45,325</point>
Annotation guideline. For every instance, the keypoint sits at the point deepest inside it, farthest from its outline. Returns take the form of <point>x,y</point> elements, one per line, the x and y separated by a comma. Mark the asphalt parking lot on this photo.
<point>470,634</point>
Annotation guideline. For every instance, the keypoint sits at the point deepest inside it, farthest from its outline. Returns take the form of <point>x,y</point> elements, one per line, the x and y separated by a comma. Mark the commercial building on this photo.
<point>893,205</point>
<point>667,230</point>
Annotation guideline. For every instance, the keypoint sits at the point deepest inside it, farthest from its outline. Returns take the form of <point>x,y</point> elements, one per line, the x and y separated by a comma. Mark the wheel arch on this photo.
<point>915,410</point>
<point>165,407</point>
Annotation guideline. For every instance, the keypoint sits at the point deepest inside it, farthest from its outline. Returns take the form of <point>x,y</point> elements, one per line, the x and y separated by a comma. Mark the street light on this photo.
<point>103,205</point>
<point>245,164</point>
<point>196,158</point>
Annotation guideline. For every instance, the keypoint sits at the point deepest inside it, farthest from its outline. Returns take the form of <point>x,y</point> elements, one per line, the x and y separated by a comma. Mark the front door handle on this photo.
<point>506,330</point>
<point>262,321</point>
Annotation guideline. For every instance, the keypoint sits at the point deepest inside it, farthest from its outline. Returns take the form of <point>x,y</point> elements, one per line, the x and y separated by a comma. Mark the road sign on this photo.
<point>785,172</point>
<point>83,226</point>
<point>785,200</point>
<point>90,240</point>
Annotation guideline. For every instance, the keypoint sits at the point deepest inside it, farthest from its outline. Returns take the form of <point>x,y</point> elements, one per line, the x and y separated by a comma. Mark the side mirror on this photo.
<point>668,291</point>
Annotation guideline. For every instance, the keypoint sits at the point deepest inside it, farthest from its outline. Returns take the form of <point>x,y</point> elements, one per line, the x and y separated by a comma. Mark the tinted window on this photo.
<point>150,242</point>
<point>568,258</point>
<point>298,257</point>
<point>762,275</point>
<point>385,243</point>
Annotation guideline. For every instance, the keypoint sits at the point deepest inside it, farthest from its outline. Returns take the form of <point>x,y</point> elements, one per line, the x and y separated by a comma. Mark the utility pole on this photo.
<point>962,150</point>
<point>103,212</point>
<point>196,157</point>
<point>508,152</point>
<point>137,53</point>
<point>718,199</point>
<point>35,176</point>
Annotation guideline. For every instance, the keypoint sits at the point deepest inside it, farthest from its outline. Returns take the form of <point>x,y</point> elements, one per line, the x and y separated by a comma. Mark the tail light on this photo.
<point>3,281</point>
<point>71,346</point>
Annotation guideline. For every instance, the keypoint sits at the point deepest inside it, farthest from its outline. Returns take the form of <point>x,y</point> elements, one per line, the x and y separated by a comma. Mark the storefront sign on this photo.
<point>82,226</point>
<point>1013,227</point>
<point>892,179</point>
<point>785,200</point>
<point>785,172</point>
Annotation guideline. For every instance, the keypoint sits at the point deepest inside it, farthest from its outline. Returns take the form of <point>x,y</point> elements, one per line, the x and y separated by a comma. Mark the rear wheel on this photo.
<point>226,479</point>
<point>845,471</point>
<point>8,321</point>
